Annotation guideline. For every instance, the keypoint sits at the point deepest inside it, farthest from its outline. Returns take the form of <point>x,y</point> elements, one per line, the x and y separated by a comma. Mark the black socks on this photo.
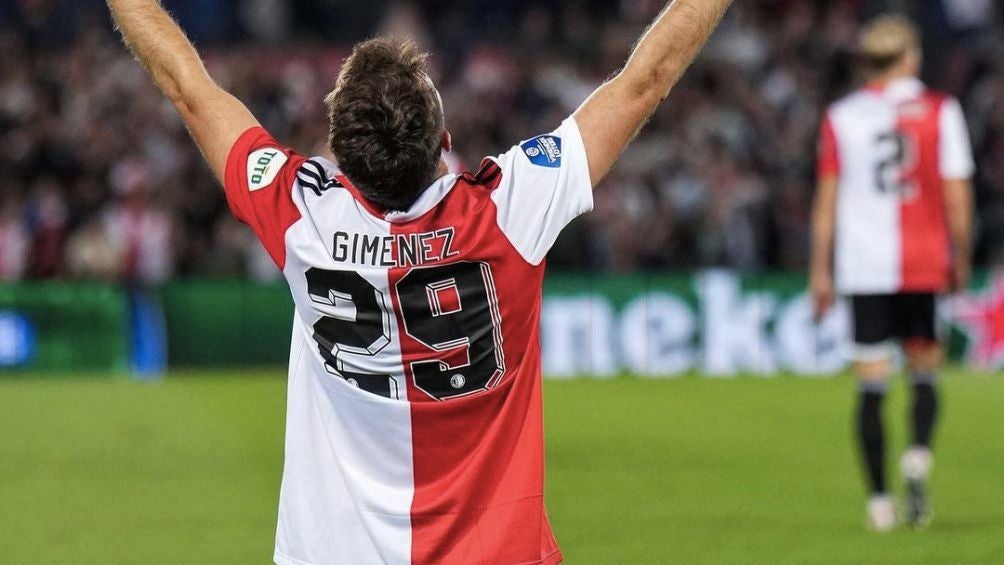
<point>871,434</point>
<point>871,429</point>
<point>924,414</point>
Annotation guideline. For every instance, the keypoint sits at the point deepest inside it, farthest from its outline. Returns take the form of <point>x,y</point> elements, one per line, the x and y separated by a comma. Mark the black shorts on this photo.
<point>880,320</point>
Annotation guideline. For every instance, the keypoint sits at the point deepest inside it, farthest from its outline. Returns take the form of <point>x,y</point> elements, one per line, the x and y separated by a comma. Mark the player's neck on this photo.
<point>443,170</point>
<point>883,81</point>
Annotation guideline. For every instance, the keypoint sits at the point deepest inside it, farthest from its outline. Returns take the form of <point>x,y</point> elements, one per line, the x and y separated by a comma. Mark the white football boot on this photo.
<point>916,467</point>
<point>881,514</point>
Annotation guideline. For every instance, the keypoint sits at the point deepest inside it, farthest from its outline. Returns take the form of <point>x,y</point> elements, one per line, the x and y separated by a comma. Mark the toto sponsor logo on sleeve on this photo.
<point>263,167</point>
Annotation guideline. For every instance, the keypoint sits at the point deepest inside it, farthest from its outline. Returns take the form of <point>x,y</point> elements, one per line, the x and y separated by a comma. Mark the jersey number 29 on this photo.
<point>451,317</point>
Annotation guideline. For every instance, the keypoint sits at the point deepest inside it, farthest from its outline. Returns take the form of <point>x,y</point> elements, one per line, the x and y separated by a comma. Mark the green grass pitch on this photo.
<point>688,471</point>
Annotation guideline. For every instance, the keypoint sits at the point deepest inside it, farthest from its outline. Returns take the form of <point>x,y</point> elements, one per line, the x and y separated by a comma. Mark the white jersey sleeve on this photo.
<point>545,185</point>
<point>956,149</point>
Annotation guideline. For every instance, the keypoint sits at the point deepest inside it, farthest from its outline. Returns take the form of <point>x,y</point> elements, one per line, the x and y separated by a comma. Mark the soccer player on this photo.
<point>414,430</point>
<point>893,213</point>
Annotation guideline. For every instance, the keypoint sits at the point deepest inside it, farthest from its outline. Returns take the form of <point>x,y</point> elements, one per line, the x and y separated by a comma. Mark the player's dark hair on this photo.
<point>387,122</point>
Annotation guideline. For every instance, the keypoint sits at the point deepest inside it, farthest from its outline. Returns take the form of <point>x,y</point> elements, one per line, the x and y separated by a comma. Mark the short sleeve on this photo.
<point>828,161</point>
<point>957,161</point>
<point>259,184</point>
<point>545,184</point>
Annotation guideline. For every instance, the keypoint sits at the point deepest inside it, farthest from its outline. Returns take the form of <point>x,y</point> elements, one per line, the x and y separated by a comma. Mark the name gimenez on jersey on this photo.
<point>395,251</point>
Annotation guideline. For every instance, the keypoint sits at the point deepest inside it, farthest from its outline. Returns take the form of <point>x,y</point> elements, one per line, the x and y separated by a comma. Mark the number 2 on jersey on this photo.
<point>359,324</point>
<point>894,171</point>
<point>450,312</point>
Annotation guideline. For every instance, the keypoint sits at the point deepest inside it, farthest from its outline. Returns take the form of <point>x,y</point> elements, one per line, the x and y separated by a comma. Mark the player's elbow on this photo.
<point>174,91</point>
<point>650,86</point>
<point>187,92</point>
<point>187,108</point>
<point>178,100</point>
<point>191,102</point>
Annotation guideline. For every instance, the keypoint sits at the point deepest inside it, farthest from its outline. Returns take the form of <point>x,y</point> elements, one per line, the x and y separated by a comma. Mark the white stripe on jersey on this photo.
<point>868,234</point>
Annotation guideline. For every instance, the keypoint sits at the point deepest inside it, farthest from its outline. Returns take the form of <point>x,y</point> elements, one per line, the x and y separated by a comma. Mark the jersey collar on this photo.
<point>425,203</point>
<point>903,90</point>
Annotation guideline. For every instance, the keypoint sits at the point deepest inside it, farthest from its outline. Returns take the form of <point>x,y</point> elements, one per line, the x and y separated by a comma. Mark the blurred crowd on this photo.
<point>98,179</point>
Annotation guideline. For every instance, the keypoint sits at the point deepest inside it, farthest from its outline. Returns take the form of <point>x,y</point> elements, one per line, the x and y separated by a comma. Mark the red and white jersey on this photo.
<point>414,431</point>
<point>892,149</point>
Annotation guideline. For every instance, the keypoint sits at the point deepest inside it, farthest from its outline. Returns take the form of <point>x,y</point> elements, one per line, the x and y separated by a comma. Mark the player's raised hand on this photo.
<point>213,117</point>
<point>612,117</point>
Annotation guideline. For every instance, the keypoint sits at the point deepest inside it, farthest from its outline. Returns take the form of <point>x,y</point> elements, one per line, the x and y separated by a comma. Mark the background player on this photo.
<point>415,422</point>
<point>895,204</point>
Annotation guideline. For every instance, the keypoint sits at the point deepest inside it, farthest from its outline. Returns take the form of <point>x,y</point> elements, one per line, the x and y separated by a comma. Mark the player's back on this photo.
<point>415,419</point>
<point>891,149</point>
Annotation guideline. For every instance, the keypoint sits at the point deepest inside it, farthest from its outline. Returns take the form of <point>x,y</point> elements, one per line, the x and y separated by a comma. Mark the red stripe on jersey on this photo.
<point>269,211</point>
<point>924,227</point>
<point>470,344</point>
<point>828,165</point>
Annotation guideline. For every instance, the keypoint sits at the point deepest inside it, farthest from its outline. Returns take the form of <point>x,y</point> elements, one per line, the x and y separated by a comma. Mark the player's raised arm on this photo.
<point>214,117</point>
<point>615,113</point>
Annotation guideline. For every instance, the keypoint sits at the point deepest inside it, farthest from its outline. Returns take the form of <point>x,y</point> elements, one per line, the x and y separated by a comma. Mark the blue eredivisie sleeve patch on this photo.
<point>544,151</point>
